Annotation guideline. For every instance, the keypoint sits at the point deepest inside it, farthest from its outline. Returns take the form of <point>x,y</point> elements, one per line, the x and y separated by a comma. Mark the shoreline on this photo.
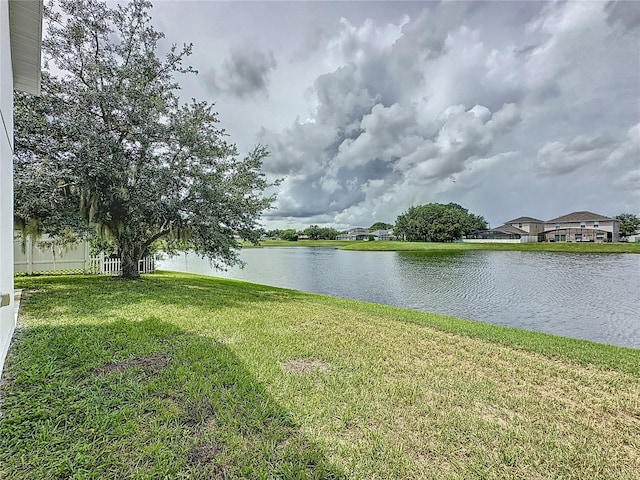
<point>396,246</point>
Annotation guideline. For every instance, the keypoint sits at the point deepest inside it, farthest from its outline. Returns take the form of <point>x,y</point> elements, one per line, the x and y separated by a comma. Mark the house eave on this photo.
<point>25,25</point>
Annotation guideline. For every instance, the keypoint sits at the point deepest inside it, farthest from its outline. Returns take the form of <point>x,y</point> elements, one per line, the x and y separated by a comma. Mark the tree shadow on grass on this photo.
<point>142,400</point>
<point>107,296</point>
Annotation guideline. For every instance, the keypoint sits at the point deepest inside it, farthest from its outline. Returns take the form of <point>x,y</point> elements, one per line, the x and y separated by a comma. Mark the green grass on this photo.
<point>182,376</point>
<point>457,246</point>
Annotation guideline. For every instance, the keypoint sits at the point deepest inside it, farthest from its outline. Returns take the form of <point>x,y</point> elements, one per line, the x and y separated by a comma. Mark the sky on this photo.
<point>368,108</point>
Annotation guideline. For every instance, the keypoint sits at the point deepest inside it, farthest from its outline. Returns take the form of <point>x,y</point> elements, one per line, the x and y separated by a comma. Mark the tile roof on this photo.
<point>579,217</point>
<point>508,229</point>
<point>525,220</point>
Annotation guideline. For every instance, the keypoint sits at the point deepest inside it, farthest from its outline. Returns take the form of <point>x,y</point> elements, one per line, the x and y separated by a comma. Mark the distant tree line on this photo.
<point>433,222</point>
<point>313,232</point>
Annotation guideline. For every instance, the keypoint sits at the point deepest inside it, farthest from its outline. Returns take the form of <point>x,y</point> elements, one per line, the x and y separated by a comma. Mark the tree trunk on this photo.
<point>129,262</point>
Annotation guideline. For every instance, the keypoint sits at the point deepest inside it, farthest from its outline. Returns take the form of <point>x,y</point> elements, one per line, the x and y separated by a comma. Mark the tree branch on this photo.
<point>155,237</point>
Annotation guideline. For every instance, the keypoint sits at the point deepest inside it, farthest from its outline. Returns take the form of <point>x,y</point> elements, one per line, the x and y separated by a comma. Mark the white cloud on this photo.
<point>495,104</point>
<point>556,158</point>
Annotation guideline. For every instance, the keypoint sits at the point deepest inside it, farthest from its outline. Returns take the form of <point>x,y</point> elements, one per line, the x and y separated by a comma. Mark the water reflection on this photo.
<point>593,297</point>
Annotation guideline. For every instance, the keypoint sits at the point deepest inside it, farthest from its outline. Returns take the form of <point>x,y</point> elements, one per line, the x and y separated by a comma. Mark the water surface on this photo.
<point>588,296</point>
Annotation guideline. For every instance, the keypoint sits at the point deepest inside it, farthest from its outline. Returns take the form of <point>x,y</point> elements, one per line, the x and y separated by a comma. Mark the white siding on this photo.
<point>7,319</point>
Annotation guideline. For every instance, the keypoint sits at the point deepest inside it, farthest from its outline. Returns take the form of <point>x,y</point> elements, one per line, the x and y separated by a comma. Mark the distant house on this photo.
<point>358,233</point>
<point>382,235</point>
<point>573,227</point>
<point>501,233</point>
<point>518,230</point>
<point>532,226</point>
<point>582,227</point>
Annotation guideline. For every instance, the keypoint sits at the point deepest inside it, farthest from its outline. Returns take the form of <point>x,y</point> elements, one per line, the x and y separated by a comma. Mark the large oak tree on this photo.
<point>109,144</point>
<point>437,222</point>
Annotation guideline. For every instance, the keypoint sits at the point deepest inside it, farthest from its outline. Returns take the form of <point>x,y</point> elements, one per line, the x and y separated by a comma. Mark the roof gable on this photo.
<point>579,217</point>
<point>509,229</point>
<point>525,220</point>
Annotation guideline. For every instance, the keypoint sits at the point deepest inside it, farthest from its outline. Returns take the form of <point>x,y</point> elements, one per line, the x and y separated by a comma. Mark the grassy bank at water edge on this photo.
<point>457,246</point>
<point>182,376</point>
<point>519,247</point>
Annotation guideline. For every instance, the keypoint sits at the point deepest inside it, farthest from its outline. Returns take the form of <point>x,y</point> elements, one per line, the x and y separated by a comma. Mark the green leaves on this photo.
<point>436,222</point>
<point>629,223</point>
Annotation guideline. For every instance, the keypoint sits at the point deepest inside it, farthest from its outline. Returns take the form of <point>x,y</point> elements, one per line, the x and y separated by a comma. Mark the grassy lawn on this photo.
<point>182,376</point>
<point>458,246</point>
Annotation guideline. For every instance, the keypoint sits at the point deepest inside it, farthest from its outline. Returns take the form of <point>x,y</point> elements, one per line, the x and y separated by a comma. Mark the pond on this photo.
<point>588,296</point>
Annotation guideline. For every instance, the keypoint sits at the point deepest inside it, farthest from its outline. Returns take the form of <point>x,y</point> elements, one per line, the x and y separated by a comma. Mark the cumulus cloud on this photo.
<point>244,74</point>
<point>512,108</point>
<point>490,103</point>
<point>556,158</point>
<point>417,111</point>
<point>625,158</point>
<point>627,151</point>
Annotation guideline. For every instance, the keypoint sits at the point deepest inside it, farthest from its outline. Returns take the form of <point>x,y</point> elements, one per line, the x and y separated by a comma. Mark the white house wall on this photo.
<point>7,319</point>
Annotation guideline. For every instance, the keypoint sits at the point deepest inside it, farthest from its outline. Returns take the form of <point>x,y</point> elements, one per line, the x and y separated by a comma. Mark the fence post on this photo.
<point>101,263</point>
<point>87,264</point>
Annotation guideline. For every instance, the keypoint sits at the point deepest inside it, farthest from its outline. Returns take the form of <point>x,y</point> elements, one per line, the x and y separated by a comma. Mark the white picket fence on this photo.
<point>112,266</point>
<point>35,258</point>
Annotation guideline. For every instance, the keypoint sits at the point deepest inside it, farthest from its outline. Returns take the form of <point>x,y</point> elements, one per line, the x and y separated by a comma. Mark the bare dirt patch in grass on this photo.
<point>303,366</point>
<point>151,364</point>
<point>203,452</point>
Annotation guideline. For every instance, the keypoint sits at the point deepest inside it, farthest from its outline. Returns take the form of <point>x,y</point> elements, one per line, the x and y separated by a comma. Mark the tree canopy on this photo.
<point>436,222</point>
<point>629,223</point>
<point>314,232</point>
<point>289,234</point>
<point>380,226</point>
<point>109,145</point>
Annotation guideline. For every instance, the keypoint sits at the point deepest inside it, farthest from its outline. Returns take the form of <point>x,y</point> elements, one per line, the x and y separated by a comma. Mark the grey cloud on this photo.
<point>373,138</point>
<point>302,148</point>
<point>425,37</point>
<point>464,135</point>
<point>625,13</point>
<point>629,181</point>
<point>306,197</point>
<point>437,112</point>
<point>244,74</point>
<point>342,98</point>
<point>526,51</point>
<point>390,148</point>
<point>557,158</point>
<point>584,143</point>
<point>626,154</point>
<point>313,39</point>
